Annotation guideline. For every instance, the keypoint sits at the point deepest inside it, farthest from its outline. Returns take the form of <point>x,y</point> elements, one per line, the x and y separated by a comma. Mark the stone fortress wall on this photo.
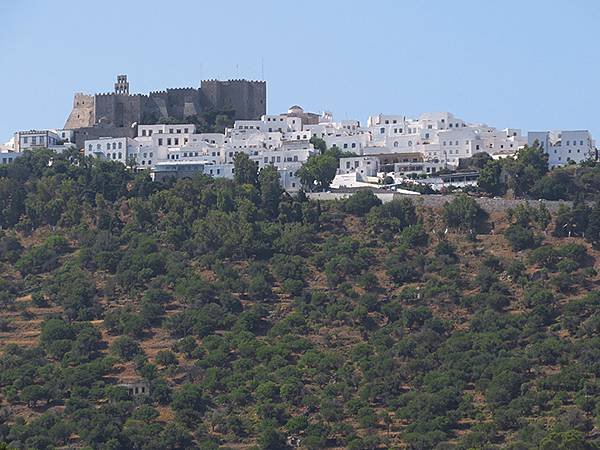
<point>121,109</point>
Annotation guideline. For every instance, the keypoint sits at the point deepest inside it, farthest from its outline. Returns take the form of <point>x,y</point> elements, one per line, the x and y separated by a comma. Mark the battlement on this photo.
<point>121,109</point>
<point>233,80</point>
<point>113,94</point>
<point>182,89</point>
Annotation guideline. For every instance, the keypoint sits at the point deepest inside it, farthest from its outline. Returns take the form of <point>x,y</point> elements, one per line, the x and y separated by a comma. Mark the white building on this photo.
<point>56,140</point>
<point>563,147</point>
<point>123,149</point>
<point>365,166</point>
<point>8,156</point>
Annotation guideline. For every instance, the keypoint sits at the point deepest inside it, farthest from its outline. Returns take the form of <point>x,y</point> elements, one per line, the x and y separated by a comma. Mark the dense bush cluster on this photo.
<point>256,319</point>
<point>528,176</point>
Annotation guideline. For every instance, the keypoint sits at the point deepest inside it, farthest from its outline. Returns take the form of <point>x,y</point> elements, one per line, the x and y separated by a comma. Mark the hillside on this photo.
<point>253,319</point>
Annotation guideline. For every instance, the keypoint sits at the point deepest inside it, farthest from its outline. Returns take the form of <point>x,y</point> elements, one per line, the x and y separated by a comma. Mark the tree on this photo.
<point>125,348</point>
<point>592,232</point>
<point>319,144</point>
<point>189,400</point>
<point>270,190</point>
<point>33,394</point>
<point>520,237</point>
<point>464,213</point>
<point>318,171</point>
<point>567,440</point>
<point>361,202</point>
<point>490,179</point>
<point>530,165</point>
<point>271,439</point>
<point>245,170</point>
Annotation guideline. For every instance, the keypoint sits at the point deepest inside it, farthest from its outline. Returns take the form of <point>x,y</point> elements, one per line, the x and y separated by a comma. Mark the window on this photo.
<point>396,144</point>
<point>168,141</point>
<point>108,146</point>
<point>120,145</point>
<point>98,147</point>
<point>90,147</point>
<point>143,132</point>
<point>25,139</point>
<point>114,145</point>
<point>382,130</point>
<point>160,141</point>
<point>120,155</point>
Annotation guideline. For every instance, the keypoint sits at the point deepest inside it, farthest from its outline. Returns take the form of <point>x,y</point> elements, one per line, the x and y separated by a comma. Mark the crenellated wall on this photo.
<point>247,98</point>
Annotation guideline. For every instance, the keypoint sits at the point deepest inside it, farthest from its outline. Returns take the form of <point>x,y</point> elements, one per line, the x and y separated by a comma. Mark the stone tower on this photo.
<point>122,85</point>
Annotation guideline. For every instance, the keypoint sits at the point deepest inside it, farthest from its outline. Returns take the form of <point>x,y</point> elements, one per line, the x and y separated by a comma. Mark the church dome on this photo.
<point>295,110</point>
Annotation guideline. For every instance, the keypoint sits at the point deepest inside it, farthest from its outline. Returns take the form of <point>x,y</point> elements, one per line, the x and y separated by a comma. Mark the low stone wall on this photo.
<point>437,201</point>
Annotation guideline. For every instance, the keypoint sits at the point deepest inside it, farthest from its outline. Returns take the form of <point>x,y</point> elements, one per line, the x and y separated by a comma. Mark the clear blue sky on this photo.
<point>528,64</point>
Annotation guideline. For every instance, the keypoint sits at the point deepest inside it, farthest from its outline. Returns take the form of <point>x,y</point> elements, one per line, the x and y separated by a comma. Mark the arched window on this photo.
<point>396,144</point>
<point>410,143</point>
<point>114,145</point>
<point>98,147</point>
<point>120,145</point>
<point>120,155</point>
<point>90,147</point>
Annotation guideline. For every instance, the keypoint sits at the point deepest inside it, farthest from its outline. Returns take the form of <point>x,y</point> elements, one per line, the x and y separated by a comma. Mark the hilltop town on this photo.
<point>178,133</point>
<point>181,270</point>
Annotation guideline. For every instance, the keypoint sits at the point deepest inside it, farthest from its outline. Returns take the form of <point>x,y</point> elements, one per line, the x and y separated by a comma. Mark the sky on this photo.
<point>526,64</point>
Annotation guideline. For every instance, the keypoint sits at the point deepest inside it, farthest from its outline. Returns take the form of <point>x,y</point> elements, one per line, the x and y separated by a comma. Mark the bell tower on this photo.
<point>122,85</point>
